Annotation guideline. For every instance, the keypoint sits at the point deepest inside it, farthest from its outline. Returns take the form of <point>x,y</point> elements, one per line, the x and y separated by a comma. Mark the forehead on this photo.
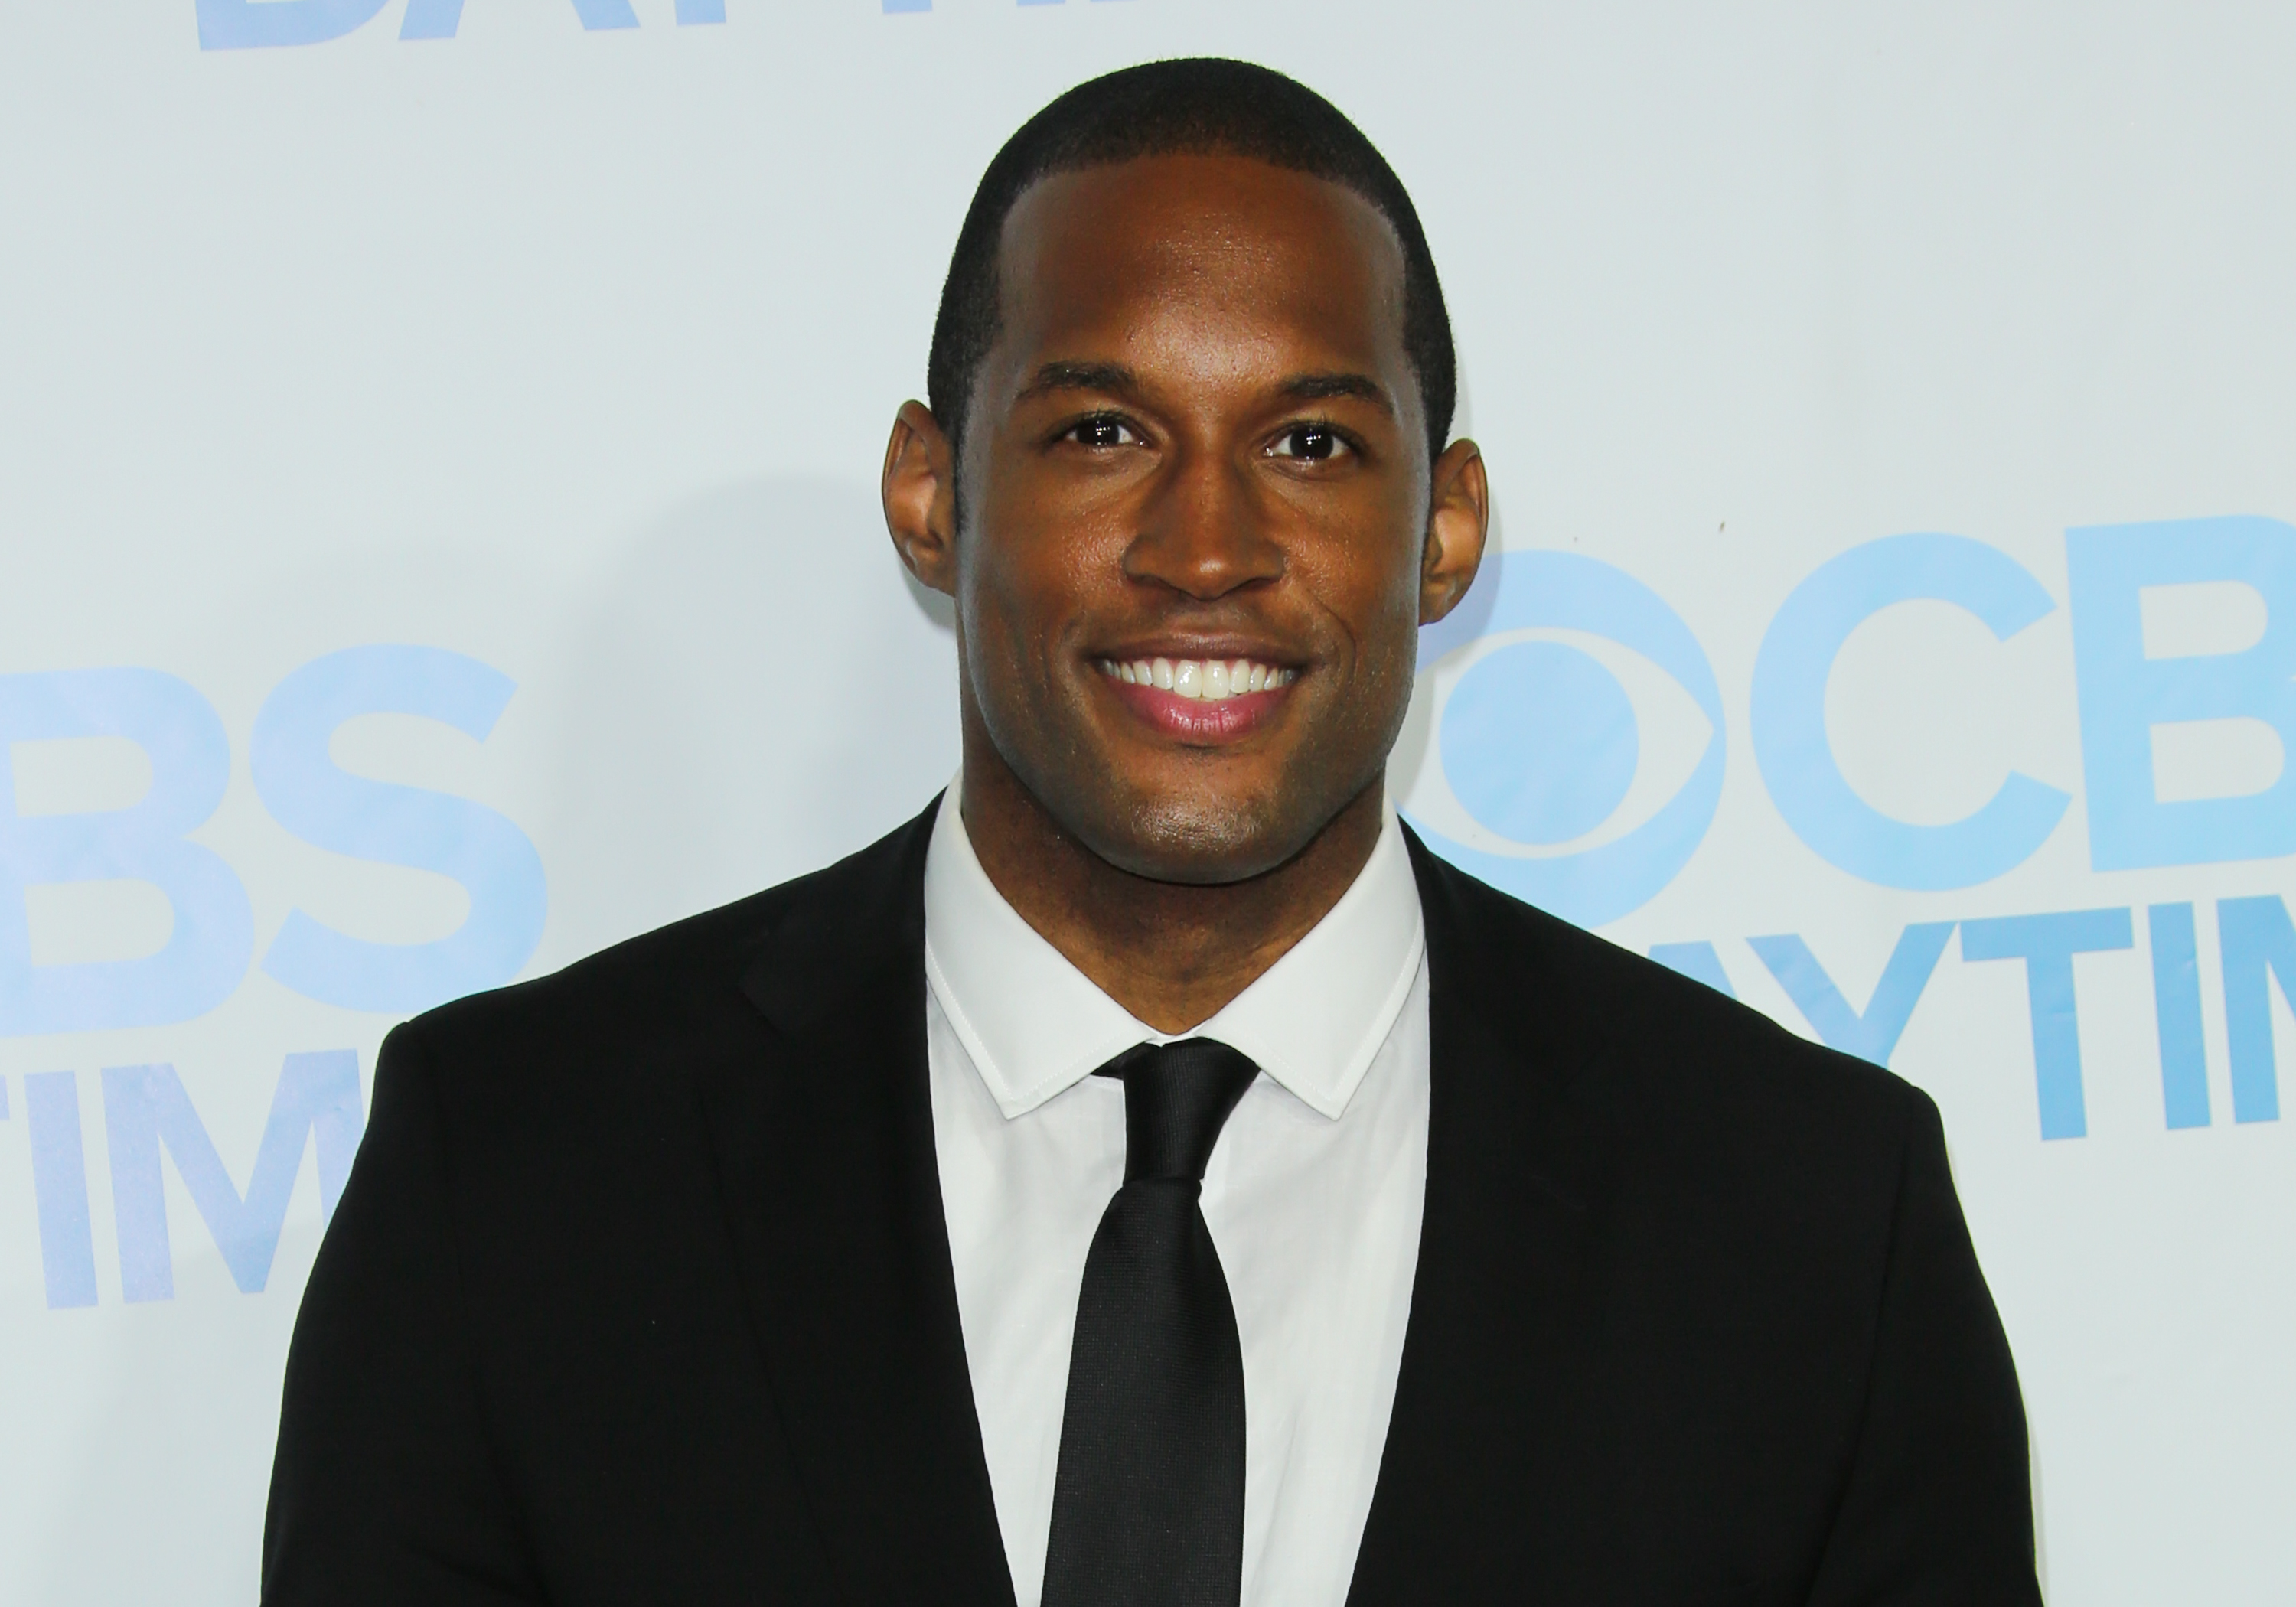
<point>1181,256</point>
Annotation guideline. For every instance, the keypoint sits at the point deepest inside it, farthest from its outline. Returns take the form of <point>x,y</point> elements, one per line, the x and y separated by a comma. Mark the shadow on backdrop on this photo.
<point>756,689</point>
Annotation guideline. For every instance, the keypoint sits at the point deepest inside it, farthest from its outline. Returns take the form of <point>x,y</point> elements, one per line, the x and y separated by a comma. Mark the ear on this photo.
<point>1458,520</point>
<point>920,491</point>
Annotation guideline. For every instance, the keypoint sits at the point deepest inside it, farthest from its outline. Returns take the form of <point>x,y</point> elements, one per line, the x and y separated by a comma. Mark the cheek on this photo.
<point>1020,593</point>
<point>1368,582</point>
<point>994,564</point>
<point>1038,562</point>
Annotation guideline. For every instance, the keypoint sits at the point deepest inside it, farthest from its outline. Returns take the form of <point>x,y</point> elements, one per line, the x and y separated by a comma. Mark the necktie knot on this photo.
<point>1176,1099</point>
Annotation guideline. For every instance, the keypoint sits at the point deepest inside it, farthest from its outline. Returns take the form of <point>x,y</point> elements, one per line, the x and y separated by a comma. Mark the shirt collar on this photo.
<point>1035,1025</point>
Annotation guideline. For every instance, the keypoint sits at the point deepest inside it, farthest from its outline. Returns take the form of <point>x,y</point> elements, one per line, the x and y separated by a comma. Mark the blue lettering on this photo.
<point>2124,694</point>
<point>2047,945</point>
<point>206,951</point>
<point>2177,1013</point>
<point>390,825</point>
<point>1696,961</point>
<point>441,18</point>
<point>605,13</point>
<point>250,24</point>
<point>430,20</point>
<point>1872,1034</point>
<point>2259,942</point>
<point>146,1107</point>
<point>1789,714</point>
<point>59,1188</point>
<point>253,24</point>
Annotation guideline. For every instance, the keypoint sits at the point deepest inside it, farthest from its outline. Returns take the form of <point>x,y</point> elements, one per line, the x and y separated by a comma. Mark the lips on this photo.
<point>1199,701</point>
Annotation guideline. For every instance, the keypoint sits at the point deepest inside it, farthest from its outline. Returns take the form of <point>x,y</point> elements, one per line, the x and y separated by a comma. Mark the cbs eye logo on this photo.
<point>1570,741</point>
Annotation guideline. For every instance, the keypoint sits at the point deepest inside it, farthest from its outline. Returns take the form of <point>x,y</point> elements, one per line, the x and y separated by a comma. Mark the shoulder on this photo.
<point>679,991</point>
<point>644,981</point>
<point>1670,1053</point>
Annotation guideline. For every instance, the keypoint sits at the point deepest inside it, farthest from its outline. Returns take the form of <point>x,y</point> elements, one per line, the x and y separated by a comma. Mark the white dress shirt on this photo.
<point>1313,1197</point>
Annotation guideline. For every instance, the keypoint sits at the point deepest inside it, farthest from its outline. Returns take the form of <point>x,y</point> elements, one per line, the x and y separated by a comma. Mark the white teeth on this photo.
<point>1206,680</point>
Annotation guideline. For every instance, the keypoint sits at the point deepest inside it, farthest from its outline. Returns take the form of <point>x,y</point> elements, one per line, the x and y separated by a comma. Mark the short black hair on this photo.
<point>1200,105</point>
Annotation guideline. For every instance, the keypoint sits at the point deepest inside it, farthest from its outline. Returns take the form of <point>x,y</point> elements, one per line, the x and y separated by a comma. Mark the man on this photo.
<point>1411,1247</point>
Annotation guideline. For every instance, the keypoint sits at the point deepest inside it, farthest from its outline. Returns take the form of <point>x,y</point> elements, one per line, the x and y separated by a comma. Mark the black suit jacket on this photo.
<point>640,1292</point>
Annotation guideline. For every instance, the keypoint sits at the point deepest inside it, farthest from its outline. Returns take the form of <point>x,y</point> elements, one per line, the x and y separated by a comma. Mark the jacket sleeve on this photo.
<point>1937,1506</point>
<point>384,1488</point>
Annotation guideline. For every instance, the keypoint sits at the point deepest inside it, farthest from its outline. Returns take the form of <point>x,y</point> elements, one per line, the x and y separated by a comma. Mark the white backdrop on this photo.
<point>1883,405</point>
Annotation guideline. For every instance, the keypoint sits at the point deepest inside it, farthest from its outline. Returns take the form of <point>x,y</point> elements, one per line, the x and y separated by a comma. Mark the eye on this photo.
<point>1102,430</point>
<point>1312,443</point>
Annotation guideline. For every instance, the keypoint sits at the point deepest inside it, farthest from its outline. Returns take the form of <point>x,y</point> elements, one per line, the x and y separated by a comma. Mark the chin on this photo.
<point>1200,841</point>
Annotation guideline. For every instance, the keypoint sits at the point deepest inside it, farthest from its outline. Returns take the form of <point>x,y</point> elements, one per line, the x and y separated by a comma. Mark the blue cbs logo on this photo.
<point>1579,750</point>
<point>1540,763</point>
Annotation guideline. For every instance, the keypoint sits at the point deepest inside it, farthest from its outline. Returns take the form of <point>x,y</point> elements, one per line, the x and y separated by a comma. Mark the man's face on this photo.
<point>1196,494</point>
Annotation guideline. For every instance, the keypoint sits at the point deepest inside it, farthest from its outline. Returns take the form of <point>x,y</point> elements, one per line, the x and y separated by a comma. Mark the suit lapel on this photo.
<point>1498,1301</point>
<point>825,1152</point>
<point>824,1146</point>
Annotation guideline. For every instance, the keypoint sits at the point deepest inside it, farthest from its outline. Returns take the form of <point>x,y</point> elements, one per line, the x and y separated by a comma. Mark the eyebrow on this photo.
<point>1323,387</point>
<point>1114,379</point>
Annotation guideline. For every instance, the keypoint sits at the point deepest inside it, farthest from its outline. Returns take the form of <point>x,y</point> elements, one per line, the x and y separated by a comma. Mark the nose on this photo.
<point>1203,532</point>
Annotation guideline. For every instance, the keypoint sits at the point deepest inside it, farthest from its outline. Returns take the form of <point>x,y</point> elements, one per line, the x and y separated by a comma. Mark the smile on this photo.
<point>1199,702</point>
<point>1207,680</point>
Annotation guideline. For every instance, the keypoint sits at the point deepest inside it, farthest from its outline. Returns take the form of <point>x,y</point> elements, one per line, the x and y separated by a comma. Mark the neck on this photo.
<point>1170,953</point>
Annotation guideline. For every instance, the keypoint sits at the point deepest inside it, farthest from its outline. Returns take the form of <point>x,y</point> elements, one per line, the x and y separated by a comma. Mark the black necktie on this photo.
<point>1148,1504</point>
